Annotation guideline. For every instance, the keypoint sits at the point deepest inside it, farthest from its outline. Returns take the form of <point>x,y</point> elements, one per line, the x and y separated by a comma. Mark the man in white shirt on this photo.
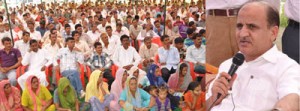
<point>168,58</point>
<point>81,46</point>
<point>148,51</point>
<point>196,54</point>
<point>68,64</point>
<point>23,45</point>
<point>94,34</point>
<point>113,39</point>
<point>33,33</point>
<point>101,27</point>
<point>38,60</point>
<point>126,56</point>
<point>120,30</point>
<point>268,79</point>
<point>83,36</point>
<point>108,48</point>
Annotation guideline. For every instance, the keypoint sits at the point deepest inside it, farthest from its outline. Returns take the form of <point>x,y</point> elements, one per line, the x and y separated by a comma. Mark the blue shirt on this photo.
<point>145,98</point>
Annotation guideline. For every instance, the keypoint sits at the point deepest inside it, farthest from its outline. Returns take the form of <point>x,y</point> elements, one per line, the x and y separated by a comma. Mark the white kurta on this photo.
<point>35,60</point>
<point>123,57</point>
<point>260,83</point>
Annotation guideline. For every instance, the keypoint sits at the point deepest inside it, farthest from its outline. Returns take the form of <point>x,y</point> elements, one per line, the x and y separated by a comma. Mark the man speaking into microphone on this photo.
<point>267,79</point>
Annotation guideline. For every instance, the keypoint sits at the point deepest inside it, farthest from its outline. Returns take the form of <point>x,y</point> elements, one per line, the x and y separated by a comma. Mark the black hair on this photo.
<point>183,65</point>
<point>97,44</point>
<point>5,39</point>
<point>124,37</point>
<point>108,27</point>
<point>191,23</point>
<point>69,38</point>
<point>178,40</point>
<point>75,32</point>
<point>77,25</point>
<point>25,32</point>
<point>192,86</point>
<point>162,38</point>
<point>51,31</point>
<point>67,25</point>
<point>32,41</point>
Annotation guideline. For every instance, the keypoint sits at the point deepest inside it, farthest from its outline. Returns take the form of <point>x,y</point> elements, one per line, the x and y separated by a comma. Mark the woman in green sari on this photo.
<point>65,97</point>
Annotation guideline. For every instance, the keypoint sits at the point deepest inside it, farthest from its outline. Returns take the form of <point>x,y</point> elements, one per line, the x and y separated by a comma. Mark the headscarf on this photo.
<point>7,102</point>
<point>68,100</point>
<point>153,79</point>
<point>129,97</point>
<point>32,94</point>
<point>92,88</point>
<point>173,80</point>
<point>141,73</point>
<point>151,74</point>
<point>116,86</point>
<point>116,90</point>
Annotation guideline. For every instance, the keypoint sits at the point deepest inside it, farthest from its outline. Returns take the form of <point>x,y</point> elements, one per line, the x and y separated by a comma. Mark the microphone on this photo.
<point>237,60</point>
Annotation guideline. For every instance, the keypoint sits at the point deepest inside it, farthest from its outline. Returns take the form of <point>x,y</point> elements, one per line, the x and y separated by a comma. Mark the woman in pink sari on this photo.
<point>36,97</point>
<point>117,87</point>
<point>10,97</point>
<point>179,81</point>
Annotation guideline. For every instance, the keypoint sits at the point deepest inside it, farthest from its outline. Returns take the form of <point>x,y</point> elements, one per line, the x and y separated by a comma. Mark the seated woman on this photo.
<point>138,73</point>
<point>133,98</point>
<point>65,97</point>
<point>179,81</point>
<point>36,97</point>
<point>10,98</point>
<point>153,77</point>
<point>194,97</point>
<point>117,87</point>
<point>97,92</point>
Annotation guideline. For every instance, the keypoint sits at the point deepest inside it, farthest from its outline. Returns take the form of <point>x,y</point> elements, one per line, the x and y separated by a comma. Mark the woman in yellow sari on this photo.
<point>36,97</point>
<point>97,92</point>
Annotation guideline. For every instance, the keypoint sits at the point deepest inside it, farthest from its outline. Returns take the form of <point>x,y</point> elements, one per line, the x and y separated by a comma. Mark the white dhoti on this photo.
<point>39,74</point>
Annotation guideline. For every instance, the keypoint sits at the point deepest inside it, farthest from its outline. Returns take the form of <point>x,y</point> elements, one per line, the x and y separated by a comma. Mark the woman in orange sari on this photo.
<point>10,97</point>
<point>194,98</point>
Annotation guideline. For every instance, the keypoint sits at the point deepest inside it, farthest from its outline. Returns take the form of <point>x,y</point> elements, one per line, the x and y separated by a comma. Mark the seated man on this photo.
<point>10,60</point>
<point>38,60</point>
<point>81,45</point>
<point>52,48</point>
<point>196,54</point>
<point>101,61</point>
<point>148,51</point>
<point>126,56</point>
<point>268,79</point>
<point>69,57</point>
<point>178,43</point>
<point>168,58</point>
<point>108,47</point>
<point>23,45</point>
<point>188,41</point>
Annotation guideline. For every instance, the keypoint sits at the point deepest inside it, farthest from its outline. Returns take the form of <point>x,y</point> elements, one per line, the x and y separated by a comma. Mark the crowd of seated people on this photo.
<point>102,56</point>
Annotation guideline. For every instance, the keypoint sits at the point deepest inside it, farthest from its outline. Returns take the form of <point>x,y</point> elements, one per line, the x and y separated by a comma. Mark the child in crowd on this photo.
<point>162,102</point>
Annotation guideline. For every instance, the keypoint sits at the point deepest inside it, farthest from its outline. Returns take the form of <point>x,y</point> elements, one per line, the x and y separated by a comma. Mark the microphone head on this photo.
<point>238,59</point>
